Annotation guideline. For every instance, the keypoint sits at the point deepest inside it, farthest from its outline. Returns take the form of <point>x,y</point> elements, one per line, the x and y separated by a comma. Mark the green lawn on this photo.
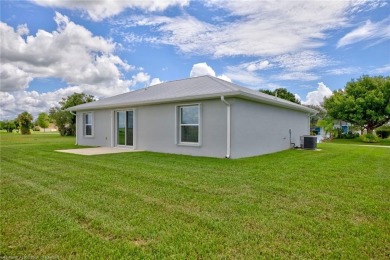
<point>333,203</point>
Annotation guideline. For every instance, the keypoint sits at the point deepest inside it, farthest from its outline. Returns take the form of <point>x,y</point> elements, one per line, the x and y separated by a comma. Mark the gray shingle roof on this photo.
<point>203,87</point>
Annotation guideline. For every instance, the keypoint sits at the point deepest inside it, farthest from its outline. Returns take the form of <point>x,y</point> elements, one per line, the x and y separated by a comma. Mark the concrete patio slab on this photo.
<point>98,150</point>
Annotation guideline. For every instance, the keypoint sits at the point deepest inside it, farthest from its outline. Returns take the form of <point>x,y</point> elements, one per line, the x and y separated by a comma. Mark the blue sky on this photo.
<point>51,49</point>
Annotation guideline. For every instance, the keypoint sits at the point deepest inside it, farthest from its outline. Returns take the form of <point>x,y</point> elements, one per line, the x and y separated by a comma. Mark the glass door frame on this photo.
<point>116,135</point>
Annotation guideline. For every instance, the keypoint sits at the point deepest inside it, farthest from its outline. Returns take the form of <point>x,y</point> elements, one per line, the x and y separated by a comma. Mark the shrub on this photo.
<point>348,135</point>
<point>36,129</point>
<point>369,138</point>
<point>383,131</point>
<point>25,121</point>
<point>356,135</point>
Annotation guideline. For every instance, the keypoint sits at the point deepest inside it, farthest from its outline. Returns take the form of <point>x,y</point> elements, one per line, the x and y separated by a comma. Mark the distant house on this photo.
<point>201,116</point>
<point>51,128</point>
<point>344,127</point>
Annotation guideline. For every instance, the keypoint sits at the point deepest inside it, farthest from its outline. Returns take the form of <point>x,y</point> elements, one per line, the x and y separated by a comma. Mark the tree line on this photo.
<point>364,102</point>
<point>64,120</point>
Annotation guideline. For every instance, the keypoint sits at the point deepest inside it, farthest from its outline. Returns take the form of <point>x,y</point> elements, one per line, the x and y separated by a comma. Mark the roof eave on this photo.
<point>245,95</point>
<point>155,102</point>
<point>276,102</point>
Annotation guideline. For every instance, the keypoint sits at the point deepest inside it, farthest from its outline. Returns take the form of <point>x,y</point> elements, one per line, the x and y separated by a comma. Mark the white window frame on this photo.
<point>115,128</point>
<point>92,124</point>
<point>179,125</point>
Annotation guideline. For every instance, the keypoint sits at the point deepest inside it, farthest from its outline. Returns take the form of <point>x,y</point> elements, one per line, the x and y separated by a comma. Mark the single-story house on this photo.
<point>201,116</point>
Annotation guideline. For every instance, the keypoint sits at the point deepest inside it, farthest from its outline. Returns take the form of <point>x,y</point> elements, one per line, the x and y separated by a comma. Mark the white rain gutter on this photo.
<point>227,127</point>
<point>75,125</point>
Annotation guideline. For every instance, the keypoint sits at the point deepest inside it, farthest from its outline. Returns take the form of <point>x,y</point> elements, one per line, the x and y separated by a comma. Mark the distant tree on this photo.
<point>320,115</point>
<point>25,120</point>
<point>43,121</point>
<point>364,102</point>
<point>267,91</point>
<point>327,123</point>
<point>76,99</point>
<point>281,93</point>
<point>17,124</point>
<point>61,118</point>
<point>8,125</point>
<point>65,120</point>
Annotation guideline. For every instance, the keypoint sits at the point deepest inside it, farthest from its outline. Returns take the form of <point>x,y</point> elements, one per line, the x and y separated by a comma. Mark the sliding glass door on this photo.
<point>124,128</point>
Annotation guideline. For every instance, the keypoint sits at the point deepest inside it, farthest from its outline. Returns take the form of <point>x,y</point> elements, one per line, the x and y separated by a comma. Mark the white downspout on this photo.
<point>75,125</point>
<point>227,127</point>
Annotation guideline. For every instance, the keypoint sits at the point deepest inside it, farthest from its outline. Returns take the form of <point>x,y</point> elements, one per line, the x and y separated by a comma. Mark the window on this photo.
<point>88,124</point>
<point>125,127</point>
<point>189,124</point>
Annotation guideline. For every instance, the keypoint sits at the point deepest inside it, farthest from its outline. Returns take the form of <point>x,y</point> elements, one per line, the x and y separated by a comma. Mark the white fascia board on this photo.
<point>84,107</point>
<point>257,98</point>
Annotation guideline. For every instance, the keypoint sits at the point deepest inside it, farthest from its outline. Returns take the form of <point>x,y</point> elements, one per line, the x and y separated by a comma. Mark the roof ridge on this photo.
<point>124,93</point>
<point>148,87</point>
<point>239,88</point>
<point>143,88</point>
<point>175,80</point>
<point>223,82</point>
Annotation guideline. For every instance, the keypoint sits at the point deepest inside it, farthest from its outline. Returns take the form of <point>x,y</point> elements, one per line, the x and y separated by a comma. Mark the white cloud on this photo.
<point>301,61</point>
<point>7,100</point>
<point>201,69</point>
<point>357,6</point>
<point>299,66</point>
<point>264,64</point>
<point>343,71</point>
<point>224,77</point>
<point>100,9</point>
<point>71,53</point>
<point>297,97</point>
<point>379,32</point>
<point>22,29</point>
<point>35,102</point>
<point>241,74</point>
<point>12,78</point>
<point>382,70</point>
<point>141,77</point>
<point>260,28</point>
<point>317,97</point>
<point>155,81</point>
<point>17,102</point>
<point>292,66</point>
<point>303,76</point>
